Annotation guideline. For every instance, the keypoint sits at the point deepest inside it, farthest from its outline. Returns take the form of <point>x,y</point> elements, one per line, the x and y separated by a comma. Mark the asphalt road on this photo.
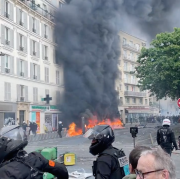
<point>80,146</point>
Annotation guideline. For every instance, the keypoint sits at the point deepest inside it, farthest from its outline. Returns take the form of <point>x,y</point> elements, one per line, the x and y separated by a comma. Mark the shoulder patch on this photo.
<point>51,163</point>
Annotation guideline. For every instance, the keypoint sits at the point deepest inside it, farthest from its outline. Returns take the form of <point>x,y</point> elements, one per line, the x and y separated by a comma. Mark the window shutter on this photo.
<point>18,65</point>
<point>11,64</point>
<point>31,70</point>
<point>17,16</point>
<point>2,34</point>
<point>38,50</point>
<point>31,47</point>
<point>26,69</point>
<point>11,11</point>
<point>26,93</point>
<point>30,23</point>
<point>43,30</point>
<point>9,90</point>
<point>5,90</point>
<point>37,94</point>
<point>2,64</point>
<point>34,91</point>
<point>12,38</point>
<point>18,40</point>
<point>47,31</point>
<point>25,44</point>
<point>25,19</point>
<point>23,41</point>
<point>43,52</point>
<point>18,92</point>
<point>2,7</point>
<point>38,72</point>
<point>48,75</point>
<point>37,26</point>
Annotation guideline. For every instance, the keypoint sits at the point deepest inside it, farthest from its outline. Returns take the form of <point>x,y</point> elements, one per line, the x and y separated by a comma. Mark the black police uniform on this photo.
<point>20,167</point>
<point>107,166</point>
<point>165,138</point>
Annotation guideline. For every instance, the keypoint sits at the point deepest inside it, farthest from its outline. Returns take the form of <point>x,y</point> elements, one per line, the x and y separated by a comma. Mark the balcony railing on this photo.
<point>131,47</point>
<point>36,7</point>
<point>133,93</point>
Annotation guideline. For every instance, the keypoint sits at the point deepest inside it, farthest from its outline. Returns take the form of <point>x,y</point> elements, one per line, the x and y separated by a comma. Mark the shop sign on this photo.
<point>44,108</point>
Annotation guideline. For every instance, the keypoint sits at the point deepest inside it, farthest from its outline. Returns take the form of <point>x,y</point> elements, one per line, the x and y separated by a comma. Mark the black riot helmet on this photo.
<point>8,147</point>
<point>15,132</point>
<point>102,137</point>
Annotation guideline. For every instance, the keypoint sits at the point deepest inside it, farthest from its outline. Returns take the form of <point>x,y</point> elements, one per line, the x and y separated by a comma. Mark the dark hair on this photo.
<point>135,155</point>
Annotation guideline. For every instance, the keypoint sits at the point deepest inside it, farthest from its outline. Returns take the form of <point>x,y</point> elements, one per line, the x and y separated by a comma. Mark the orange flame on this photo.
<point>73,130</point>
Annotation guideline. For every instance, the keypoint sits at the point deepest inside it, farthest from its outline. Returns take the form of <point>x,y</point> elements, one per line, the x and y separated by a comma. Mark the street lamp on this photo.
<point>2,54</point>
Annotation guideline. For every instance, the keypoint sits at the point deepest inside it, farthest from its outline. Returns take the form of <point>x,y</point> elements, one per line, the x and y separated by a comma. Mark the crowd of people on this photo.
<point>111,163</point>
<point>153,119</point>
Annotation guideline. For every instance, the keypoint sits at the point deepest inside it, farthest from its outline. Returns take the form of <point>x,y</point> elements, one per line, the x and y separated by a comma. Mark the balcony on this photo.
<point>133,93</point>
<point>132,48</point>
<point>133,82</point>
<point>36,7</point>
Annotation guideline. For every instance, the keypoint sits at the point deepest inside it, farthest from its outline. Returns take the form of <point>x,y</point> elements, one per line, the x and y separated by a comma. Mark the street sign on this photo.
<point>178,102</point>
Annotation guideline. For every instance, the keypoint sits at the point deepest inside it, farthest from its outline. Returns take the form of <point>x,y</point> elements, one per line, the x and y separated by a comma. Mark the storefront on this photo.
<point>46,117</point>
<point>8,114</point>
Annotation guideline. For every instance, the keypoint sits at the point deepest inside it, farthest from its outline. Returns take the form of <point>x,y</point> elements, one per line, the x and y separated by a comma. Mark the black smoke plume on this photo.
<point>89,48</point>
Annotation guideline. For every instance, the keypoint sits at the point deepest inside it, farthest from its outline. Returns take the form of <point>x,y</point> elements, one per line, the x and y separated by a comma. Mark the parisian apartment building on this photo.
<point>31,81</point>
<point>133,103</point>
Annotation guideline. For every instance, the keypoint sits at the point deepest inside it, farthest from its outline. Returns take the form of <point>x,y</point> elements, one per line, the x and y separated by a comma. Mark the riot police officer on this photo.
<point>16,163</point>
<point>165,137</point>
<point>111,163</point>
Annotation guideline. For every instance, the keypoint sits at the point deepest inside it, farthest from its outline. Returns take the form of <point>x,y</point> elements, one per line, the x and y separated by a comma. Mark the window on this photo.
<point>46,92</point>
<point>134,100</point>
<point>7,36</point>
<point>124,41</point>
<point>127,100</point>
<point>45,31</point>
<point>125,66</point>
<point>34,47</point>
<point>21,22</point>
<point>60,5</point>
<point>22,91</point>
<point>7,89</point>
<point>34,71</point>
<point>21,67</point>
<point>132,67</point>
<point>46,74</point>
<point>21,42</point>
<point>140,101</point>
<point>126,78</point>
<point>45,10</point>
<point>57,78</point>
<point>133,88</point>
<point>126,87</point>
<point>133,79</point>
<point>137,47</point>
<point>7,61</point>
<point>35,94</point>
<point>33,24</point>
<point>121,100</point>
<point>45,52</point>
<point>146,101</point>
<point>125,54</point>
<point>7,9</point>
<point>131,43</point>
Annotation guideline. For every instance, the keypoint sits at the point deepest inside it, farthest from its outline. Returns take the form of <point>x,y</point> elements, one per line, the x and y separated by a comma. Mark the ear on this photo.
<point>165,174</point>
<point>131,170</point>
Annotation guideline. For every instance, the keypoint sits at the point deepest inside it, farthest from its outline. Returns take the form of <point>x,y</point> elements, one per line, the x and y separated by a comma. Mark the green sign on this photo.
<point>45,107</point>
<point>53,107</point>
<point>39,107</point>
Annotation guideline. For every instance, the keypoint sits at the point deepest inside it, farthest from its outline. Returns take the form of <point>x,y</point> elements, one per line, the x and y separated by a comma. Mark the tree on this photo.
<point>159,66</point>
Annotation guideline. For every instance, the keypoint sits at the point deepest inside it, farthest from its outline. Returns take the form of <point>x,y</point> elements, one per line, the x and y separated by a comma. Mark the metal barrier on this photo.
<point>46,136</point>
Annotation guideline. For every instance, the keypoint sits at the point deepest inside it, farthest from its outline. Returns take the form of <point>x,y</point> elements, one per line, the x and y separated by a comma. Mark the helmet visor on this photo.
<point>16,134</point>
<point>92,134</point>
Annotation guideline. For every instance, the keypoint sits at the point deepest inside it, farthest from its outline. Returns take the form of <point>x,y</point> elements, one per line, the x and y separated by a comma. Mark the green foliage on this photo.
<point>159,66</point>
